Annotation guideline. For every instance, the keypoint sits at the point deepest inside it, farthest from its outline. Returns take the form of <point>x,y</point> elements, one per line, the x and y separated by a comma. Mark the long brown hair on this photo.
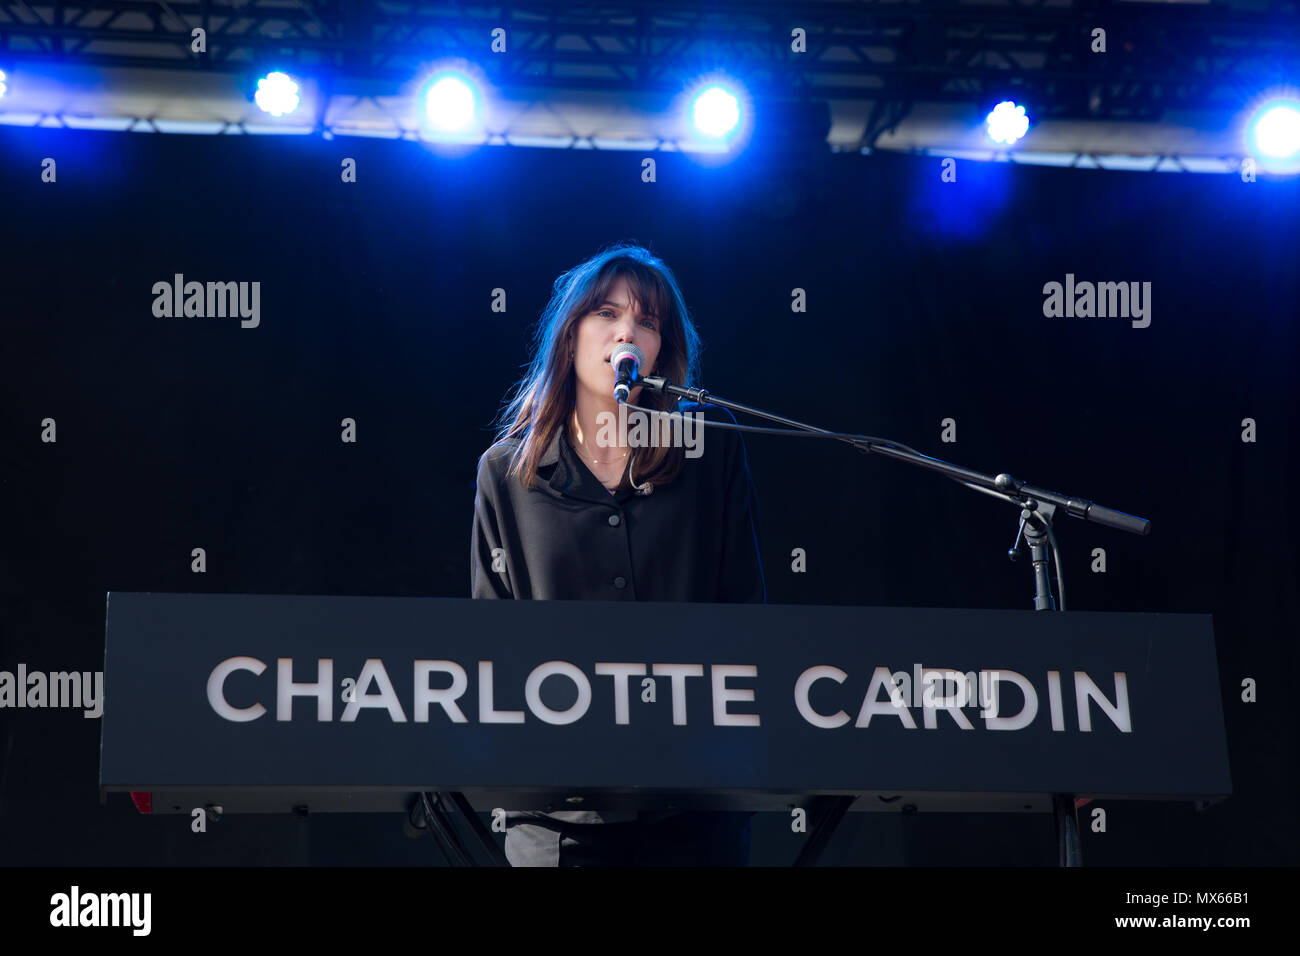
<point>545,397</point>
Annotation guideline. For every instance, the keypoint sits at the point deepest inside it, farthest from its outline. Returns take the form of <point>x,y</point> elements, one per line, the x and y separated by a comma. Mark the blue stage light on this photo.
<point>450,102</point>
<point>3,88</point>
<point>277,94</point>
<point>1275,131</point>
<point>715,112</point>
<point>1007,122</point>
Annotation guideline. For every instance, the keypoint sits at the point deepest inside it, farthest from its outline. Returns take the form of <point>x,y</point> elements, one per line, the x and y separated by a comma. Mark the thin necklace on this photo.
<point>597,461</point>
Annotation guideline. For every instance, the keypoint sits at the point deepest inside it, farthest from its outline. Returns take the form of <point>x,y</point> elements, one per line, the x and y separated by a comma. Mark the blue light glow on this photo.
<point>1007,122</point>
<point>277,94</point>
<point>715,112</point>
<point>1275,131</point>
<point>451,103</point>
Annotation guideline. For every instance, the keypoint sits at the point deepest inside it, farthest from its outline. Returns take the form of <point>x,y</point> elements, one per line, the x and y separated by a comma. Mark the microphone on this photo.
<point>626,360</point>
<point>657,383</point>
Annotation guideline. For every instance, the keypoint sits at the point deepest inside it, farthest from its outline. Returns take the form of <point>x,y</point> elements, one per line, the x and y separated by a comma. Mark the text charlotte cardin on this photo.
<point>373,689</point>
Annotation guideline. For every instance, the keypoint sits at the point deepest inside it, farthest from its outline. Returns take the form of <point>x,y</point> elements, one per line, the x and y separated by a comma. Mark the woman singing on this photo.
<point>562,515</point>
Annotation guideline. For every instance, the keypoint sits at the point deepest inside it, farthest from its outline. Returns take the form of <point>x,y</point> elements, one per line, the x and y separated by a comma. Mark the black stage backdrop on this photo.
<point>924,302</point>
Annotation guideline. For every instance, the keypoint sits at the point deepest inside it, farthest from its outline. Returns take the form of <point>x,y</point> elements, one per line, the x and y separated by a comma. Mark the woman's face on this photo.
<point>612,323</point>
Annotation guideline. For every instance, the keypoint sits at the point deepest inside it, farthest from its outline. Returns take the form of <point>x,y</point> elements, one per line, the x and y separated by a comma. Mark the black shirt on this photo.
<point>568,538</point>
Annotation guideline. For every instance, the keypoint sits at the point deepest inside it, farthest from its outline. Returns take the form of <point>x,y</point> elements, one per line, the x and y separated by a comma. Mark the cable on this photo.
<point>444,833</point>
<point>847,437</point>
<point>791,432</point>
<point>1056,559</point>
<point>857,440</point>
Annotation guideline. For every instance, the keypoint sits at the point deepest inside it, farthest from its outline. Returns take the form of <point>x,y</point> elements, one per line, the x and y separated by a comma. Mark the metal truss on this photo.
<point>895,53</point>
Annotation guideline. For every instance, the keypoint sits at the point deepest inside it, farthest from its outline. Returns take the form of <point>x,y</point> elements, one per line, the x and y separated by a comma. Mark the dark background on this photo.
<point>924,302</point>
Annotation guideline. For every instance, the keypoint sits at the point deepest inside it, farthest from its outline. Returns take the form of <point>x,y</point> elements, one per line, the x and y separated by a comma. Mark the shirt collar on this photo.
<point>571,477</point>
<point>552,453</point>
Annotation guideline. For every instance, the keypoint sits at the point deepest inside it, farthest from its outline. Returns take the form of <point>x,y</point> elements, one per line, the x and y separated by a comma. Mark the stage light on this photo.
<point>277,94</point>
<point>714,119</point>
<point>715,112</point>
<point>2,83</point>
<point>1275,131</point>
<point>450,102</point>
<point>1007,122</point>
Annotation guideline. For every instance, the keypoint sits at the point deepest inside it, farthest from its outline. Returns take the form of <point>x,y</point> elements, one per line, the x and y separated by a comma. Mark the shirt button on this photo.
<point>614,520</point>
<point>620,582</point>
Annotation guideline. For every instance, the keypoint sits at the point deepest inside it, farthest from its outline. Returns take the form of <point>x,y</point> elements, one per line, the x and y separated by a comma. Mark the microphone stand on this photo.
<point>1037,509</point>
